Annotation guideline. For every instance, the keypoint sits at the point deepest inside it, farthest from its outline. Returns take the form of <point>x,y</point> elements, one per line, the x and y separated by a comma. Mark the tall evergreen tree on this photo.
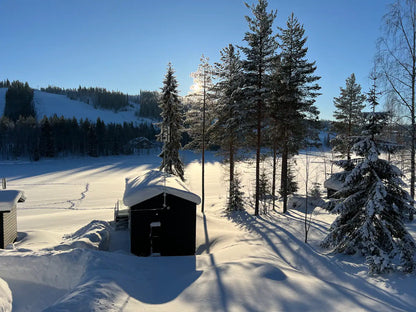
<point>171,126</point>
<point>199,115</point>
<point>293,96</point>
<point>227,131</point>
<point>259,53</point>
<point>348,106</point>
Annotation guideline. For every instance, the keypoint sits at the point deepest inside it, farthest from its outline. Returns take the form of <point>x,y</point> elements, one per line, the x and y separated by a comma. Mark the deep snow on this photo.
<point>243,263</point>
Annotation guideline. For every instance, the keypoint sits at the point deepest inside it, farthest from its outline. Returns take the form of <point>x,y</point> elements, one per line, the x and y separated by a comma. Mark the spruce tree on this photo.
<point>259,53</point>
<point>294,89</point>
<point>348,106</point>
<point>372,205</point>
<point>171,126</point>
<point>227,131</point>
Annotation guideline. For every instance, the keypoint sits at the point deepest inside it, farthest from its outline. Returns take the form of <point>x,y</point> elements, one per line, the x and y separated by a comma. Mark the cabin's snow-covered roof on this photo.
<point>153,183</point>
<point>9,198</point>
<point>336,181</point>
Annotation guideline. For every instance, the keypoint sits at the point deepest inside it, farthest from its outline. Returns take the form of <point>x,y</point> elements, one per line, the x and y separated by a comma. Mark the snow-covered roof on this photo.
<point>336,181</point>
<point>153,183</point>
<point>9,198</point>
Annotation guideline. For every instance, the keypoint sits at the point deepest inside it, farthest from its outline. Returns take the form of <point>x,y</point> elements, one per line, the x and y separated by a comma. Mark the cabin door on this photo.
<point>155,239</point>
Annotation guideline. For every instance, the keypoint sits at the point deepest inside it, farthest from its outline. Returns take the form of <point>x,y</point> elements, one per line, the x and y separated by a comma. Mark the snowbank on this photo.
<point>5,297</point>
<point>95,235</point>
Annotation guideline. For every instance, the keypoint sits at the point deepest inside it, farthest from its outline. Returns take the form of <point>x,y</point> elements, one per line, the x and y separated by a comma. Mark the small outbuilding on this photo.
<point>335,183</point>
<point>8,215</point>
<point>162,215</point>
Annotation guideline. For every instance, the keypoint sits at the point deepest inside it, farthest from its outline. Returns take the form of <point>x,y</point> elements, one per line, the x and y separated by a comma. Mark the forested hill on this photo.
<point>48,104</point>
<point>59,126</point>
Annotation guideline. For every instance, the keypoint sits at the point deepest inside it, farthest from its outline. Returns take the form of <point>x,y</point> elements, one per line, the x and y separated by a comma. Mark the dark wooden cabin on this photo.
<point>8,215</point>
<point>162,215</point>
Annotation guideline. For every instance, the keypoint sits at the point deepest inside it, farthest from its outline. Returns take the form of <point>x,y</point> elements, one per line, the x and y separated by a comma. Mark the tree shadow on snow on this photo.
<point>331,269</point>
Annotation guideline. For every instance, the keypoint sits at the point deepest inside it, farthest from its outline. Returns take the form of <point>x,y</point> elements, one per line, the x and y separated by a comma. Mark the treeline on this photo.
<point>19,101</point>
<point>149,104</point>
<point>98,97</point>
<point>57,136</point>
<point>5,83</point>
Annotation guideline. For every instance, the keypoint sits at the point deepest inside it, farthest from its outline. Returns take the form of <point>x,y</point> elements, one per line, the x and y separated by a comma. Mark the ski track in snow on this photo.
<point>74,203</point>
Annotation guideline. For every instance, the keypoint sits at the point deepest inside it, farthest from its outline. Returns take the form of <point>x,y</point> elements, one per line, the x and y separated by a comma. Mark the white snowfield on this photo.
<point>48,104</point>
<point>69,258</point>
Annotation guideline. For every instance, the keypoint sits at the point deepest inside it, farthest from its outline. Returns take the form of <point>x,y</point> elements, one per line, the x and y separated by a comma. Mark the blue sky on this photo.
<point>125,45</point>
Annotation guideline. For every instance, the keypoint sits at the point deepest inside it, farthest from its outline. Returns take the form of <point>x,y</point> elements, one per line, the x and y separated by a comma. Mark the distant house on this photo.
<point>162,215</point>
<point>8,215</point>
<point>335,183</point>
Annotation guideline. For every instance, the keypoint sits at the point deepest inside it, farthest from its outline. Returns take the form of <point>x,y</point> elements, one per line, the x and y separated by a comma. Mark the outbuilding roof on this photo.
<point>9,198</point>
<point>336,181</point>
<point>153,183</point>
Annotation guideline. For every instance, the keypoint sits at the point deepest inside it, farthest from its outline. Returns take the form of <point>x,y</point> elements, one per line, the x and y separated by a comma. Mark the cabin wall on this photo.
<point>178,224</point>
<point>8,227</point>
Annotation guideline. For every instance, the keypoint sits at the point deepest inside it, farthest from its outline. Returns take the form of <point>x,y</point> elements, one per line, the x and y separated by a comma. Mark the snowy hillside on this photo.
<point>49,104</point>
<point>242,263</point>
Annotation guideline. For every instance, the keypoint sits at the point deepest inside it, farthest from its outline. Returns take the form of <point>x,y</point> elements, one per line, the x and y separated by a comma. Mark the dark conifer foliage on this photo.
<point>149,104</point>
<point>19,101</point>
<point>98,97</point>
<point>171,126</point>
<point>228,131</point>
<point>348,106</point>
<point>372,205</point>
<point>292,111</point>
<point>53,137</point>
<point>47,147</point>
<point>5,83</point>
<point>259,53</point>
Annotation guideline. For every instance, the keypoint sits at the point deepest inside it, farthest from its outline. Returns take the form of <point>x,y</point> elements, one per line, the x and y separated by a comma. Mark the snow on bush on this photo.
<point>94,235</point>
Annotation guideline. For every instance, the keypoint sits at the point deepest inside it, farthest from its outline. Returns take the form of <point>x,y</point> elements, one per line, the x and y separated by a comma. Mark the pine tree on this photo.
<point>372,206</point>
<point>199,116</point>
<point>294,89</point>
<point>171,126</point>
<point>348,105</point>
<point>259,53</point>
<point>227,131</point>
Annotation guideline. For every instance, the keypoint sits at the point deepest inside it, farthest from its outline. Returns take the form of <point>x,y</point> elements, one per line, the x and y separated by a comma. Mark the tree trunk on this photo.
<point>413,144</point>
<point>231,171</point>
<point>203,150</point>
<point>274,176</point>
<point>284,176</point>
<point>258,147</point>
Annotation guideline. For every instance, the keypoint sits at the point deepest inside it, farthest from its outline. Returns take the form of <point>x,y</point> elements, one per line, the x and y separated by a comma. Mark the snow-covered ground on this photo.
<point>68,257</point>
<point>48,104</point>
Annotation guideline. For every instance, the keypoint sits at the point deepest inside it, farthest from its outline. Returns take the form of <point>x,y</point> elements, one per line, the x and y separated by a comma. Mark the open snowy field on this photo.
<point>67,258</point>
